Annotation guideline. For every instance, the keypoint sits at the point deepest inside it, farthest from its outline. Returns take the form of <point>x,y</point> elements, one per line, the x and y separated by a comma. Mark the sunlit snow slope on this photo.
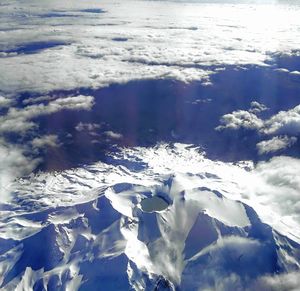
<point>89,228</point>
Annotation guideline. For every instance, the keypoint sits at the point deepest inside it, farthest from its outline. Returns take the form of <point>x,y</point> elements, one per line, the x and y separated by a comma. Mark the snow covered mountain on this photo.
<point>164,218</point>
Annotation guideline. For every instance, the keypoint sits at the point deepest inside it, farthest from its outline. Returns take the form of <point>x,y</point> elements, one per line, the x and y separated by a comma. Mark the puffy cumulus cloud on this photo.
<point>19,120</point>
<point>285,122</point>
<point>4,54</point>
<point>181,44</point>
<point>14,164</point>
<point>45,141</point>
<point>240,119</point>
<point>275,144</point>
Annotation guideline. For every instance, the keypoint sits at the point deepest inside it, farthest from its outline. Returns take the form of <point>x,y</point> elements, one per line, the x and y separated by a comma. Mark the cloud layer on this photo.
<point>135,40</point>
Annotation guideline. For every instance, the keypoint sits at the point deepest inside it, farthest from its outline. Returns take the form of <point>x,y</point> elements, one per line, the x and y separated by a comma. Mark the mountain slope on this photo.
<point>100,228</point>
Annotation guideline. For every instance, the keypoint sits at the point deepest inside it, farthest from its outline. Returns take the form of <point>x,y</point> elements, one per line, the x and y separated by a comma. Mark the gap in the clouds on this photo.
<point>63,13</point>
<point>147,112</point>
<point>93,10</point>
<point>120,39</point>
<point>35,47</point>
<point>291,61</point>
<point>57,15</point>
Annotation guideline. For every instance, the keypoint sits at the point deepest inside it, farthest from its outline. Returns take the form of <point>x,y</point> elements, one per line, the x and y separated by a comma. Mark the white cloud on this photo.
<point>50,140</point>
<point>15,161</point>
<point>240,119</point>
<point>87,126</point>
<point>283,282</point>
<point>13,164</point>
<point>226,251</point>
<point>282,70</point>
<point>203,35</point>
<point>5,102</point>
<point>113,135</point>
<point>284,122</point>
<point>37,99</point>
<point>275,144</point>
<point>4,54</point>
<point>19,120</point>
<point>296,73</point>
<point>273,189</point>
<point>80,102</point>
<point>257,107</point>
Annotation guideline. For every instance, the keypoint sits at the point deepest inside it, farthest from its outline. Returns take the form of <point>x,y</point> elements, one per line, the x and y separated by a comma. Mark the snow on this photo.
<point>93,227</point>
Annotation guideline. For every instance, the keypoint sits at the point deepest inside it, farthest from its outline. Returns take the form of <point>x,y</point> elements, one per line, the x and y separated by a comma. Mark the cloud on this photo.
<point>87,126</point>
<point>285,125</point>
<point>282,70</point>
<point>17,161</point>
<point>283,282</point>
<point>285,122</point>
<point>282,123</point>
<point>37,99</point>
<point>46,141</point>
<point>296,73</point>
<point>4,54</point>
<point>275,144</point>
<point>160,49</point>
<point>113,135</point>
<point>5,102</point>
<point>14,164</point>
<point>19,120</point>
<point>273,190</point>
<point>257,107</point>
<point>240,119</point>
<point>233,263</point>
